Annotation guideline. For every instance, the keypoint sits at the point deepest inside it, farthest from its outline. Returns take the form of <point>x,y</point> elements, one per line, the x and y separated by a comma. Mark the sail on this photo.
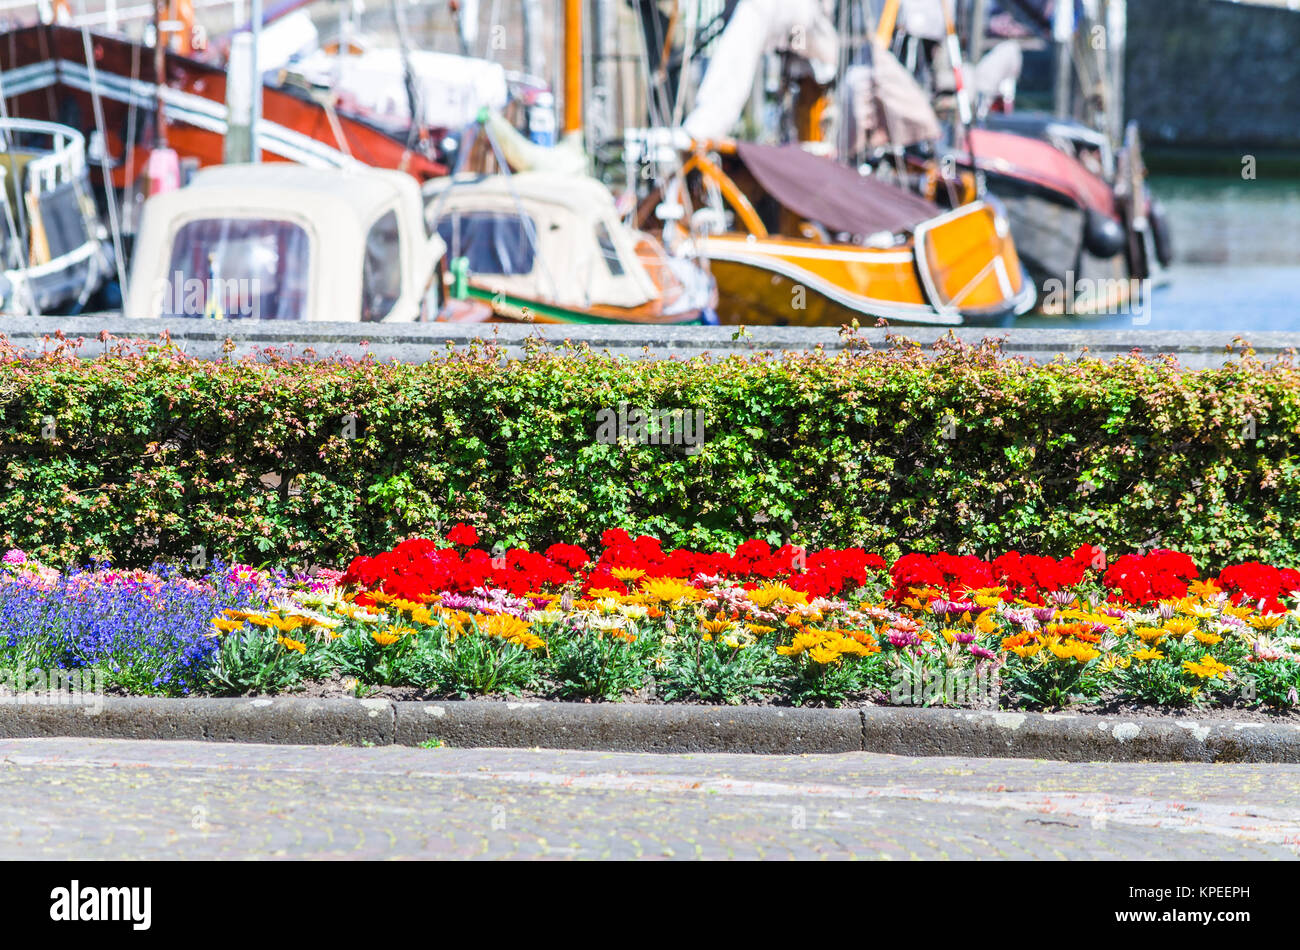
<point>887,105</point>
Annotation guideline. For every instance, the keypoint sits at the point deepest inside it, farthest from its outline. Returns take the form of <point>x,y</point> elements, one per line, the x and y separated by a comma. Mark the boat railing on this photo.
<point>60,152</point>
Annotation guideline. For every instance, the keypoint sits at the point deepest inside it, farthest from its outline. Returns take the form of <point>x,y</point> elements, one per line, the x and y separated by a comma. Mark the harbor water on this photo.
<point>1236,259</point>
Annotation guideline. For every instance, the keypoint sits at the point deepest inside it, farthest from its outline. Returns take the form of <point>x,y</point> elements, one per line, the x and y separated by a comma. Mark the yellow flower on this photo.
<point>291,644</point>
<point>1179,626</point>
<point>758,629</point>
<point>804,640</point>
<point>776,592</point>
<point>717,625</point>
<point>1202,589</point>
<point>605,593</point>
<point>823,655</point>
<point>628,573</point>
<point>1266,621</point>
<point>508,628</point>
<point>226,626</point>
<point>1149,634</point>
<point>1208,639</point>
<point>1146,654</point>
<point>389,635</point>
<point>1206,668</point>
<point>1073,650</point>
<point>669,590</point>
<point>1113,661</point>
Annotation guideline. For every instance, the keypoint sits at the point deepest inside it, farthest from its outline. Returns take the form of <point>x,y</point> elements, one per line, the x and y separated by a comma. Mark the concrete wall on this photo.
<point>1214,74</point>
<point>419,342</point>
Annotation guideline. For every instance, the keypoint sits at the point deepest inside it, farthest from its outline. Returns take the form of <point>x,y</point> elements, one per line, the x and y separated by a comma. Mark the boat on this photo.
<point>550,247</point>
<point>1088,230</point>
<point>794,237</point>
<point>277,241</point>
<point>45,76</point>
<point>819,244</point>
<point>55,250</point>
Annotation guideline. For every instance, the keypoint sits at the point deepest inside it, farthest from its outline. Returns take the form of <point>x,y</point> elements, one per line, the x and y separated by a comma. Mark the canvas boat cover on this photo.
<point>1043,164</point>
<point>834,195</point>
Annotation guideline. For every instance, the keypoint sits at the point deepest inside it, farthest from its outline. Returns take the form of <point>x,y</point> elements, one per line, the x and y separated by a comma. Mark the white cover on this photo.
<point>451,88</point>
<point>758,27</point>
<point>285,38</point>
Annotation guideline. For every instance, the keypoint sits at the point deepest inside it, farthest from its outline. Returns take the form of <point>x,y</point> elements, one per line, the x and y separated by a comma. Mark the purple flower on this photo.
<point>981,652</point>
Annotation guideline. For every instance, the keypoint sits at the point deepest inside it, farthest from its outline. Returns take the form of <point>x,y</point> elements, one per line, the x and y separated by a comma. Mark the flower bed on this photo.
<point>754,624</point>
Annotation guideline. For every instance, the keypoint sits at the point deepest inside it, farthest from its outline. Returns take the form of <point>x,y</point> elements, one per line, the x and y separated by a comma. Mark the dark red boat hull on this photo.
<point>46,77</point>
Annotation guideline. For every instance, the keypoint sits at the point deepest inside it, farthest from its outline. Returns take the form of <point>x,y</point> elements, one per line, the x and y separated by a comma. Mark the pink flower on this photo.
<point>14,556</point>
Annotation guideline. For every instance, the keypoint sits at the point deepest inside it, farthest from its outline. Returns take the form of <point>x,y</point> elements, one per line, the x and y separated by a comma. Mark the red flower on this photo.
<point>463,534</point>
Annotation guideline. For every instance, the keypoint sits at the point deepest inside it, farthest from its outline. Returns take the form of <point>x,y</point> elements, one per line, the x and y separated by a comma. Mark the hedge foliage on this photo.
<point>147,454</point>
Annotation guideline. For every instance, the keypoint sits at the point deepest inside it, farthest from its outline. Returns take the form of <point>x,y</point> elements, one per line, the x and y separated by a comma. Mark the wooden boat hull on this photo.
<point>1049,235</point>
<point>45,76</point>
<point>512,308</point>
<point>956,270</point>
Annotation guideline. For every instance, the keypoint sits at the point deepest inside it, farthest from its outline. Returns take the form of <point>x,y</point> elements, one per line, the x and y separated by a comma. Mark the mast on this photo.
<point>572,66</point>
<point>979,18</point>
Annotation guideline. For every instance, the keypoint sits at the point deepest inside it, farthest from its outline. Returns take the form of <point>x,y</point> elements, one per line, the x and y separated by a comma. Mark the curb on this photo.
<point>663,729</point>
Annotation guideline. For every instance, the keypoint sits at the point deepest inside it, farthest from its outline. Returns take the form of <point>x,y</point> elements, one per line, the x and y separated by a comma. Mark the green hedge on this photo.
<point>153,456</point>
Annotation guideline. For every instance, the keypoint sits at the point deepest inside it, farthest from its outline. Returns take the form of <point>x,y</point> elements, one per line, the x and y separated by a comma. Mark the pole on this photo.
<point>572,66</point>
<point>238,146</point>
<point>159,76</point>
<point>1063,37</point>
<point>255,112</point>
<point>978,24</point>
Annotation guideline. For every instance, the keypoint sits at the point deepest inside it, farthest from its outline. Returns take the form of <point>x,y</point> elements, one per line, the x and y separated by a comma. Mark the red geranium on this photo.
<point>463,534</point>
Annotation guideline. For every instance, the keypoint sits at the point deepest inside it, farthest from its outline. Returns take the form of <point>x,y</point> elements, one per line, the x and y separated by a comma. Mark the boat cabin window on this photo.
<point>232,268</point>
<point>608,250</point>
<point>494,243</point>
<point>381,271</point>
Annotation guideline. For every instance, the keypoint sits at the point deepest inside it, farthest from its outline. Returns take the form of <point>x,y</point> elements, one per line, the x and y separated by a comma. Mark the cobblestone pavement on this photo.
<point>125,799</point>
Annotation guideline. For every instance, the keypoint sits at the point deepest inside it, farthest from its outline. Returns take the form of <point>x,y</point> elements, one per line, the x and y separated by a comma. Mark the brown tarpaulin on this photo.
<point>833,195</point>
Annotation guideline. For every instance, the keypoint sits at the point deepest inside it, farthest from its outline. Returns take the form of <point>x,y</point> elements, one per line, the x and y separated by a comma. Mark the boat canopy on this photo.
<point>277,241</point>
<point>553,237</point>
<point>1043,164</point>
<point>833,195</point>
